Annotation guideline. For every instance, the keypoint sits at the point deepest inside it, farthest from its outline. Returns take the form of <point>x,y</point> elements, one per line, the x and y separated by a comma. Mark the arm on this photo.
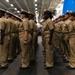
<point>31,23</point>
<point>2,29</point>
<point>2,37</point>
<point>26,28</point>
<point>51,28</point>
<point>51,36</point>
<point>26,36</point>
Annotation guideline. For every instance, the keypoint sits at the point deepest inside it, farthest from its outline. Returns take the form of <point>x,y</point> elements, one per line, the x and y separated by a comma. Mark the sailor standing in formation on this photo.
<point>20,35</point>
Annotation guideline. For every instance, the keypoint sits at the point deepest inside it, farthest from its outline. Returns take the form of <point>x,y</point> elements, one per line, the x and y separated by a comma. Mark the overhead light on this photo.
<point>36,11</point>
<point>35,4</point>
<point>15,8</point>
<point>35,0</point>
<point>7,0</point>
<point>35,8</point>
<point>18,11</point>
<point>12,5</point>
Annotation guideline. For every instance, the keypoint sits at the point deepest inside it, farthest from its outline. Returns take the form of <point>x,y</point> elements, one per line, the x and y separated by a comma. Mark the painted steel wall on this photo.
<point>69,5</point>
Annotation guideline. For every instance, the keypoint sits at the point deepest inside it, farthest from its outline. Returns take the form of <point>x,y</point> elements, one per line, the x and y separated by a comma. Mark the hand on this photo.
<point>25,42</point>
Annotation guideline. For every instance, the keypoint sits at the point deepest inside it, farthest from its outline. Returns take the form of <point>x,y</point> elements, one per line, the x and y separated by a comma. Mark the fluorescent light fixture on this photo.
<point>35,4</point>
<point>18,11</point>
<point>35,0</point>
<point>12,5</point>
<point>7,0</point>
<point>36,11</point>
<point>35,8</point>
<point>15,8</point>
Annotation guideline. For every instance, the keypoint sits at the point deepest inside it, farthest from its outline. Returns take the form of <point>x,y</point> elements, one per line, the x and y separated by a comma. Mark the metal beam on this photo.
<point>18,4</point>
<point>54,3</point>
<point>42,8</point>
<point>25,1</point>
<point>3,5</point>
